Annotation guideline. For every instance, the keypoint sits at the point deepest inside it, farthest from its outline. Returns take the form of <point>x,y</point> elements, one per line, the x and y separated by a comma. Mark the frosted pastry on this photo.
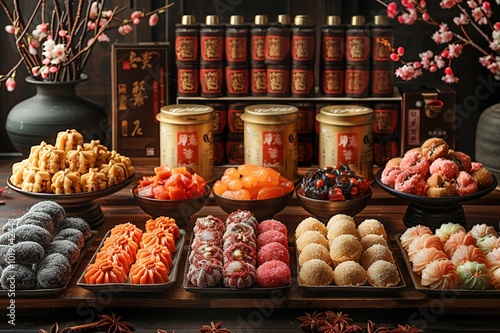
<point>383,274</point>
<point>493,259</point>
<point>456,239</point>
<point>474,275</point>
<point>25,253</point>
<point>349,273</point>
<point>271,224</point>
<point>372,239</point>
<point>76,223</point>
<point>116,255</point>
<point>158,236</point>
<point>440,274</point>
<point>166,223</point>
<point>204,274</point>
<point>73,235</point>
<point>53,272</point>
<point>272,236</point>
<point>465,253</point>
<point>487,243</point>
<point>374,253</point>
<point>422,242</point>
<point>238,274</point>
<point>273,251</point>
<point>344,248</point>
<point>480,230</point>
<point>65,247</point>
<point>273,274</point>
<point>40,219</point>
<point>160,252</point>
<point>314,251</point>
<point>341,227</point>
<point>446,229</point>
<point>33,233</point>
<point>148,271</point>
<point>24,277</point>
<point>339,218</point>
<point>55,210</point>
<point>242,252</point>
<point>413,232</point>
<point>371,226</point>
<point>128,229</point>
<point>209,222</point>
<point>308,237</point>
<point>315,272</point>
<point>310,223</point>
<point>426,256</point>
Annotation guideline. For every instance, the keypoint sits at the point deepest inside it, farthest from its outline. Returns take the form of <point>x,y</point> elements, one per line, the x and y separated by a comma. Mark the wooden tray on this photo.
<point>51,291</point>
<point>128,287</point>
<point>415,278</point>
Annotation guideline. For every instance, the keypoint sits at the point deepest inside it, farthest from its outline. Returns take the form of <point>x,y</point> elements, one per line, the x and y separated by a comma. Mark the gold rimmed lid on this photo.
<point>212,20</point>
<point>188,19</point>
<point>236,20</point>
<point>358,20</point>
<point>380,20</point>
<point>284,19</point>
<point>333,20</point>
<point>301,20</point>
<point>261,20</point>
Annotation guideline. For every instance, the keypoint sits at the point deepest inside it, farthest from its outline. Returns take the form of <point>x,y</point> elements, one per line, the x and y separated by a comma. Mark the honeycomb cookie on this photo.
<point>434,148</point>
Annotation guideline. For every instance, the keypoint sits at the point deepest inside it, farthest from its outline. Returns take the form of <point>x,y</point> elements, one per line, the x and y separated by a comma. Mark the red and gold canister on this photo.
<point>188,81</point>
<point>212,41</point>
<point>186,41</point>
<point>278,81</point>
<point>357,42</point>
<point>211,80</point>
<point>277,46</point>
<point>357,81</point>
<point>303,46</point>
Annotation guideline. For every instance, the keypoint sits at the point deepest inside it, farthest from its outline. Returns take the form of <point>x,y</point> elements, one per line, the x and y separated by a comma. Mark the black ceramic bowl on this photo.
<point>261,209</point>
<point>323,210</point>
<point>180,210</point>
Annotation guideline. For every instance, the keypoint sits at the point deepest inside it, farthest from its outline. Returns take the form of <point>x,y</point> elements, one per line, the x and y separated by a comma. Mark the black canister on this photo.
<point>277,47</point>
<point>212,41</point>
<point>188,81</point>
<point>382,40</point>
<point>237,80</point>
<point>332,42</point>
<point>302,81</point>
<point>186,41</point>
<point>303,44</point>
<point>258,80</point>
<point>382,78</point>
<point>258,40</point>
<point>211,80</point>
<point>220,119</point>
<point>278,80</point>
<point>234,121</point>
<point>332,81</point>
<point>357,41</point>
<point>357,81</point>
<point>236,41</point>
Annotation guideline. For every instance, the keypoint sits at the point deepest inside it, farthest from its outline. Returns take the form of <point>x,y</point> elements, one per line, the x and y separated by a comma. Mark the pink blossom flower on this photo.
<point>94,10</point>
<point>136,14</point>
<point>461,20</point>
<point>392,10</point>
<point>10,29</point>
<point>103,38</point>
<point>409,4</point>
<point>407,72</point>
<point>394,57</point>
<point>10,84</point>
<point>42,27</point>
<point>35,71</point>
<point>408,18</point>
<point>455,50</point>
<point>449,76</point>
<point>58,54</point>
<point>62,33</point>
<point>446,4</point>
<point>53,69</point>
<point>443,35</point>
<point>125,29</point>
<point>425,16</point>
<point>478,15</point>
<point>136,21</point>
<point>91,25</point>
<point>153,20</point>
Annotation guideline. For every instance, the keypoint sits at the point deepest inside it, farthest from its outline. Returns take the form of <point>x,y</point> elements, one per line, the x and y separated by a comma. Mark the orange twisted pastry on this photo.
<point>148,271</point>
<point>465,253</point>
<point>160,252</point>
<point>426,256</point>
<point>440,274</point>
<point>456,239</point>
<point>126,243</point>
<point>165,223</point>
<point>158,236</point>
<point>411,233</point>
<point>422,242</point>
<point>104,271</point>
<point>115,254</point>
<point>128,229</point>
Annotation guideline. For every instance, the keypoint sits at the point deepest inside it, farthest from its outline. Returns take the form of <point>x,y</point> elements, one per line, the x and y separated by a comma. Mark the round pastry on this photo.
<point>345,248</point>
<point>10,225</point>
<point>341,227</point>
<point>374,253</point>
<point>273,251</point>
<point>204,274</point>
<point>434,148</point>
<point>487,243</point>
<point>414,161</point>
<point>26,253</point>
<point>414,150</point>
<point>211,223</point>
<point>128,229</point>
<point>371,226</point>
<point>162,222</point>
<point>239,228</point>
<point>4,257</point>
<point>438,186</point>
<point>382,274</point>
<point>73,235</point>
<point>456,239</point>
<point>315,272</point>
<point>242,216</point>
<point>162,253</point>
<point>116,255</point>
<point>158,236</point>
<point>308,237</point>
<point>238,274</point>
<point>495,279</point>
<point>55,210</point>
<point>76,223</point>
<point>462,160</point>
<point>339,218</point>
<point>104,271</point>
<point>207,236</point>
<point>372,239</point>
<point>447,229</point>
<point>206,251</point>
<point>465,253</point>
<point>409,181</point>
<point>242,252</point>
<point>476,166</point>
<point>393,162</point>
<point>389,175</point>
<point>493,259</point>
<point>18,277</point>
<point>314,251</point>
<point>65,247</point>
<point>273,274</point>
<point>444,167</point>
<point>148,271</point>
<point>480,230</point>
<point>40,219</point>
<point>413,232</point>
<point>127,245</point>
<point>310,223</point>
<point>484,178</point>
<point>422,242</point>
<point>53,272</point>
<point>271,236</point>
<point>474,275</point>
<point>465,183</point>
<point>426,256</point>
<point>239,238</point>
<point>271,224</point>
<point>349,273</point>
<point>34,233</point>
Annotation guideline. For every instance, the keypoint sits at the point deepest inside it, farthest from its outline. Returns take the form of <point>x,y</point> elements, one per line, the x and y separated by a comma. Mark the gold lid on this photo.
<point>358,20</point>
<point>380,20</point>
<point>236,20</point>
<point>188,19</point>
<point>333,20</point>
<point>212,20</point>
<point>270,114</point>
<point>301,20</point>
<point>261,20</point>
<point>345,115</point>
<point>284,19</point>
<point>186,114</point>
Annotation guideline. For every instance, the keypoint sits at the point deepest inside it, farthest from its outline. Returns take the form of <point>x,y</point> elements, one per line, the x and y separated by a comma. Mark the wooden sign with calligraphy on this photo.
<point>139,90</point>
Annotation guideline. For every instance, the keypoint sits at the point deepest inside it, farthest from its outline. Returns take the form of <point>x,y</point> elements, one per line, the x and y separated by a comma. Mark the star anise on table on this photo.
<point>338,317</point>
<point>406,329</point>
<point>214,328</point>
<point>310,323</point>
<point>113,324</point>
<point>338,327</point>
<point>371,328</point>
<point>162,331</point>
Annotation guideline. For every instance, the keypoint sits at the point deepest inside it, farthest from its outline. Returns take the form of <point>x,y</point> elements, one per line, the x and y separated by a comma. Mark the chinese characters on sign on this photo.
<point>414,127</point>
<point>272,146</point>
<point>187,148</point>
<point>348,148</point>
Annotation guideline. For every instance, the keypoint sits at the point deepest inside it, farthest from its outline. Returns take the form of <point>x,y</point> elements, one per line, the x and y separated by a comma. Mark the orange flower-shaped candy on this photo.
<point>104,271</point>
<point>117,255</point>
<point>165,223</point>
<point>160,252</point>
<point>148,271</point>
<point>125,242</point>
<point>128,229</point>
<point>158,236</point>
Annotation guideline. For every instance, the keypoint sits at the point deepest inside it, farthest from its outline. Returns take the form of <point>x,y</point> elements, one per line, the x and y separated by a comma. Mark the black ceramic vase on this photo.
<point>55,107</point>
<point>488,139</point>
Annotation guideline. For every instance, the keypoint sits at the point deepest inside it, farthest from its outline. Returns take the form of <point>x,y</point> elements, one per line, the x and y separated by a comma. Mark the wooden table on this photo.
<point>186,311</point>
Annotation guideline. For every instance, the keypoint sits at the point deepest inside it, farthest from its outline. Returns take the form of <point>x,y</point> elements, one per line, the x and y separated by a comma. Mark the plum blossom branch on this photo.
<point>477,15</point>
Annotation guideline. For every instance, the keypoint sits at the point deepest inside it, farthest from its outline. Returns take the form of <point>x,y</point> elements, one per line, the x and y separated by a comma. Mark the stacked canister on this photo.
<point>277,57</point>
<point>332,71</point>
<point>187,56</point>
<point>236,50</point>
<point>212,57</point>
<point>303,52</point>
<point>382,71</point>
<point>258,68</point>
